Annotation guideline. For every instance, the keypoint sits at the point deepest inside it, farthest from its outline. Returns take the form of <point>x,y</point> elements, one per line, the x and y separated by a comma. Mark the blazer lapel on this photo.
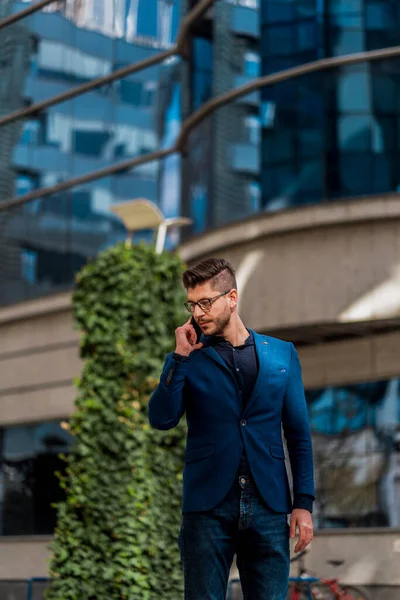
<point>213,354</point>
<point>263,351</point>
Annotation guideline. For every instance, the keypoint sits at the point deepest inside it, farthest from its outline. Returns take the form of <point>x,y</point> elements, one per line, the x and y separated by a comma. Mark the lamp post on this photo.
<point>142,214</point>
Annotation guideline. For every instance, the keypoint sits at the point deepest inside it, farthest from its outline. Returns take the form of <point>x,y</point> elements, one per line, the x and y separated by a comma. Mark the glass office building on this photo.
<point>335,134</point>
<point>221,169</point>
<point>47,241</point>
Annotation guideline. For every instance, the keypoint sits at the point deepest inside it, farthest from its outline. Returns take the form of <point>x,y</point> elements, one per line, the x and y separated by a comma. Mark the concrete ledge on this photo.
<point>21,559</point>
<point>373,561</point>
<point>351,361</point>
<point>45,305</point>
<point>47,403</point>
<point>315,216</point>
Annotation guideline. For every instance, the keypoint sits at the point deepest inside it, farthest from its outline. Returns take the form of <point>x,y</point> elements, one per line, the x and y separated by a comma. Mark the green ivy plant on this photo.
<point>116,535</point>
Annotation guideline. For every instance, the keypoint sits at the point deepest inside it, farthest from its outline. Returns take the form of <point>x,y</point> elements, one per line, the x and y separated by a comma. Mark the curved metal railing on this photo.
<point>191,122</point>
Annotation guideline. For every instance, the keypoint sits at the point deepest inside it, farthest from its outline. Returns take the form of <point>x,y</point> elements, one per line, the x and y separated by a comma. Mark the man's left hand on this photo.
<point>301,519</point>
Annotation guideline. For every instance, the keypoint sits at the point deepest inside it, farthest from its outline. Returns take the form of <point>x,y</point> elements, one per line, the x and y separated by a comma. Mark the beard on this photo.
<point>219,324</point>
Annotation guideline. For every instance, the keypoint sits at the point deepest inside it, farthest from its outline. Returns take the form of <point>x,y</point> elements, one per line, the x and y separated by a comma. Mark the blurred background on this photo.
<point>296,184</point>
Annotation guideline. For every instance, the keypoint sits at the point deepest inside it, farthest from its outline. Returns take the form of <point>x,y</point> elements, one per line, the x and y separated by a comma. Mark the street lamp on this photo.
<point>142,214</point>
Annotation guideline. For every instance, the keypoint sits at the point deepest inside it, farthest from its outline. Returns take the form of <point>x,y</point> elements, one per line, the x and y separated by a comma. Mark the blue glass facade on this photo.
<point>201,142</point>
<point>170,118</point>
<point>47,241</point>
<point>221,170</point>
<point>336,133</point>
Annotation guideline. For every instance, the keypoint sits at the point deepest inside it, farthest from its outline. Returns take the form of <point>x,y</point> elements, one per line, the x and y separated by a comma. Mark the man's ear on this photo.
<point>234,298</point>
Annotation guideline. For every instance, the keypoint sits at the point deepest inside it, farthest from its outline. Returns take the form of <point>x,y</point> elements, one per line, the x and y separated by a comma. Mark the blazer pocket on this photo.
<point>199,453</point>
<point>277,452</point>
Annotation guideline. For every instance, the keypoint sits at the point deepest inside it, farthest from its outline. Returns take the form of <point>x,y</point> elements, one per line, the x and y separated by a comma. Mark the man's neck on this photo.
<point>236,333</point>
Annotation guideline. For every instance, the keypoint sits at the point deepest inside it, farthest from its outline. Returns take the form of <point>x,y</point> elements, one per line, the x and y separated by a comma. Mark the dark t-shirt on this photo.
<point>242,362</point>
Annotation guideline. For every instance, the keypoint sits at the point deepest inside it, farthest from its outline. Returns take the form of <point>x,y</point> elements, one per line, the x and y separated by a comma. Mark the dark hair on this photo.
<point>218,271</point>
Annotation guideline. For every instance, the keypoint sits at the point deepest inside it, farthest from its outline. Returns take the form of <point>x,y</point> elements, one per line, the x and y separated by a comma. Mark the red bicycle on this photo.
<point>309,587</point>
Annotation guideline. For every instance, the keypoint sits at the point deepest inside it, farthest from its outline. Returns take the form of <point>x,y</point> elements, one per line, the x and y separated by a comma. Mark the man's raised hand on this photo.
<point>186,339</point>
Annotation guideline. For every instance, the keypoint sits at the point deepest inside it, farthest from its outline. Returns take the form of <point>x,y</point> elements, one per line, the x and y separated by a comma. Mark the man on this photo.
<point>237,388</point>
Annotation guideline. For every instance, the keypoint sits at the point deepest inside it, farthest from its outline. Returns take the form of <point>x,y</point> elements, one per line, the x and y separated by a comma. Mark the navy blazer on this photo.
<point>219,428</point>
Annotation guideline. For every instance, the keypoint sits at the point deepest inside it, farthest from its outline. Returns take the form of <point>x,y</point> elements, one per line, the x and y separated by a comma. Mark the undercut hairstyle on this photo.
<point>218,271</point>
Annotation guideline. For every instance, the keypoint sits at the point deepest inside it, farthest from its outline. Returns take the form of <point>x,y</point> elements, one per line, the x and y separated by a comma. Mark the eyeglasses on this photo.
<point>205,304</point>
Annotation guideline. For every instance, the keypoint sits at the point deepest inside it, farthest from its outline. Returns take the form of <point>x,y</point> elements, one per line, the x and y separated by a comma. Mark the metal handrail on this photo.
<point>18,16</point>
<point>199,115</point>
<point>178,49</point>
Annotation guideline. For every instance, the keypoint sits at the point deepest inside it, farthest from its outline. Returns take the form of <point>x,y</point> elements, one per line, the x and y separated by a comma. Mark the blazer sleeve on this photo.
<point>297,432</point>
<point>167,405</point>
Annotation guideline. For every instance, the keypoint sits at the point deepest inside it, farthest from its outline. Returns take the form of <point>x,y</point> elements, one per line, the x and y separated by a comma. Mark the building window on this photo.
<point>29,266</point>
<point>268,112</point>
<point>90,143</point>
<point>165,21</point>
<point>253,129</point>
<point>202,71</point>
<point>254,4</point>
<point>199,203</point>
<point>131,92</point>
<point>254,196</point>
<point>345,6</point>
<point>381,16</point>
<point>356,441</point>
<point>28,485</point>
<point>149,92</point>
<point>25,183</point>
<point>252,64</point>
<point>30,133</point>
<point>60,61</point>
<point>147,17</point>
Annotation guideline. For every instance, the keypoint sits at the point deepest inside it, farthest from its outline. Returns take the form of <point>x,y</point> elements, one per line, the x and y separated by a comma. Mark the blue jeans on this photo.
<point>244,525</point>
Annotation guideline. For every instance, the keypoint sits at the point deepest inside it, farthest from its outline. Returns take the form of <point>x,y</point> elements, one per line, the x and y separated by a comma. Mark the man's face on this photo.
<point>214,321</point>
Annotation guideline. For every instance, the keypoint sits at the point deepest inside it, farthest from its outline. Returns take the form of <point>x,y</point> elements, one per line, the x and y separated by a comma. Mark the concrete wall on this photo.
<point>38,360</point>
<point>371,556</point>
<point>328,263</point>
<point>368,358</point>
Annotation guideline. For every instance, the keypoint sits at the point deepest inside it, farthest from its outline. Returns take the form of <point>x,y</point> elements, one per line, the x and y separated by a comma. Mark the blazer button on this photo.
<point>243,423</point>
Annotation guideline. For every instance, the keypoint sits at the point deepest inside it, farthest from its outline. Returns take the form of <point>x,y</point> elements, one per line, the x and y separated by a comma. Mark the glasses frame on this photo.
<point>190,305</point>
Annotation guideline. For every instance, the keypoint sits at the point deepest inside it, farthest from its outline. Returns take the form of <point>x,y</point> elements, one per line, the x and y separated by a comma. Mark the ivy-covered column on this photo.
<point>117,530</point>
